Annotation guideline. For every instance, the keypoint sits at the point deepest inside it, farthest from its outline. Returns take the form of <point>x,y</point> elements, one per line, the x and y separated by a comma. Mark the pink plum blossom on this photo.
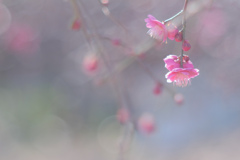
<point>179,98</point>
<point>146,123</point>
<point>173,61</point>
<point>157,29</point>
<point>172,31</point>
<point>90,63</point>
<point>181,76</point>
<point>104,2</point>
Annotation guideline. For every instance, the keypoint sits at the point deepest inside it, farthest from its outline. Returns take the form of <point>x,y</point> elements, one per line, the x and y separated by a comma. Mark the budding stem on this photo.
<point>184,27</point>
<point>78,15</point>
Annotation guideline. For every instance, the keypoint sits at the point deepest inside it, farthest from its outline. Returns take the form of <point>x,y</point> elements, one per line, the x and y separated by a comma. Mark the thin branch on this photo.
<point>173,17</point>
<point>78,14</point>
<point>183,29</point>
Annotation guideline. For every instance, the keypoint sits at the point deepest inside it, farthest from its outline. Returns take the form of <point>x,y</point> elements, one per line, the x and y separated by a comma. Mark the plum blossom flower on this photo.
<point>173,61</point>
<point>172,31</point>
<point>157,29</point>
<point>146,123</point>
<point>90,63</point>
<point>181,76</point>
<point>179,98</point>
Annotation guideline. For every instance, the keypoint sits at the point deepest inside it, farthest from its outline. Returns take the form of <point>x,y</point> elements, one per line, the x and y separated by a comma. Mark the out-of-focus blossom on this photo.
<point>172,31</point>
<point>22,38</point>
<point>122,115</point>
<point>186,46</point>
<point>104,2</point>
<point>146,123</point>
<point>173,61</point>
<point>179,98</point>
<point>90,63</point>
<point>76,24</point>
<point>116,42</point>
<point>181,76</point>
<point>179,37</point>
<point>158,88</point>
<point>157,29</point>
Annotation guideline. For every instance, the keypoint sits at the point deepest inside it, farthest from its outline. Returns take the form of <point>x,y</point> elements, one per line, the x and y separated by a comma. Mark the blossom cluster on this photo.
<point>181,69</point>
<point>180,75</point>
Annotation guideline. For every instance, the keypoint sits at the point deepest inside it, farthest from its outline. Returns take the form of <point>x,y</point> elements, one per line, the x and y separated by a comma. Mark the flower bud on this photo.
<point>90,63</point>
<point>146,123</point>
<point>178,98</point>
<point>179,37</point>
<point>186,45</point>
<point>76,24</point>
<point>158,89</point>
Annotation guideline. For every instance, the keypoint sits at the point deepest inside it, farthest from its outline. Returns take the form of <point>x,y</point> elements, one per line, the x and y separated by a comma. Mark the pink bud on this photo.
<point>179,37</point>
<point>90,63</point>
<point>186,46</point>
<point>76,25</point>
<point>116,42</point>
<point>185,58</point>
<point>172,31</point>
<point>158,89</point>
<point>104,2</point>
<point>146,123</point>
<point>122,115</point>
<point>178,98</point>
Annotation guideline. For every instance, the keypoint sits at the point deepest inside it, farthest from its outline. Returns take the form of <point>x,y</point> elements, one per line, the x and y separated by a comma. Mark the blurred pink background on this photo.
<point>51,110</point>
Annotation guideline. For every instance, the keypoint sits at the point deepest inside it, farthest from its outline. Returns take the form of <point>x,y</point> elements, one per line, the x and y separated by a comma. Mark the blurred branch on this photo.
<point>78,14</point>
<point>107,62</point>
<point>183,29</point>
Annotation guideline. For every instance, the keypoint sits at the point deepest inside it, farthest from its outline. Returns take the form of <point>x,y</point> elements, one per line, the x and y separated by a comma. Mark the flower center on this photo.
<point>181,80</point>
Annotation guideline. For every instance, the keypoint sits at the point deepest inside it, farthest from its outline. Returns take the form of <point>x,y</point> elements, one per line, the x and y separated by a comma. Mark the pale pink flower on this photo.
<point>173,61</point>
<point>90,63</point>
<point>181,76</point>
<point>172,31</point>
<point>179,98</point>
<point>104,2</point>
<point>157,29</point>
<point>146,123</point>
